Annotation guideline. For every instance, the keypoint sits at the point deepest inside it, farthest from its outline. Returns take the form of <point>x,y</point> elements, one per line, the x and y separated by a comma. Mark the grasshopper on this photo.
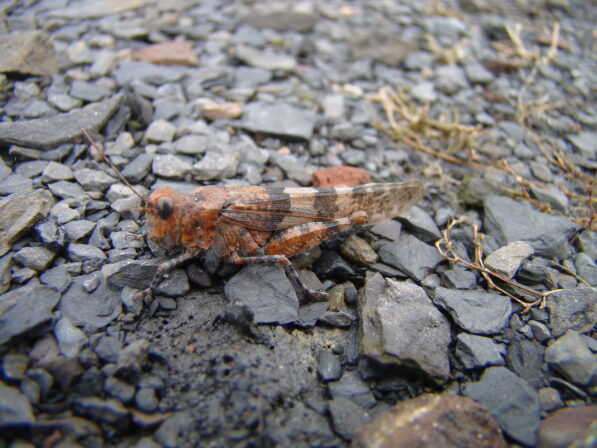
<point>252,224</point>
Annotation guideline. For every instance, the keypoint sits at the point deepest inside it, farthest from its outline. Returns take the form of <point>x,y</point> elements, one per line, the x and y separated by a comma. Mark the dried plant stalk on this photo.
<point>446,249</point>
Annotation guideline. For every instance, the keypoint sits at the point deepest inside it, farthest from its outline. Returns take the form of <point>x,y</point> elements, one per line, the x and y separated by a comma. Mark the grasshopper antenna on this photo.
<point>110,164</point>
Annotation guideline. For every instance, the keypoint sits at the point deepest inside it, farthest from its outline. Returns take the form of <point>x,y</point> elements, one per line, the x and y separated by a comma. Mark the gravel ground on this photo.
<point>467,321</point>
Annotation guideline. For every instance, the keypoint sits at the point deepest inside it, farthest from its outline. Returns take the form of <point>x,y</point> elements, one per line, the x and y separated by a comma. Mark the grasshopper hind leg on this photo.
<point>299,238</point>
<point>291,273</point>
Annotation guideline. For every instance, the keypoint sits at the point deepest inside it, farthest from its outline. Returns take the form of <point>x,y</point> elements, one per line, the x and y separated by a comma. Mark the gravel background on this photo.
<point>491,105</point>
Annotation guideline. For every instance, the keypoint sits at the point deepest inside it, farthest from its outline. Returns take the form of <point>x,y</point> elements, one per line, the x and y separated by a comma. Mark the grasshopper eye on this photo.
<point>165,206</point>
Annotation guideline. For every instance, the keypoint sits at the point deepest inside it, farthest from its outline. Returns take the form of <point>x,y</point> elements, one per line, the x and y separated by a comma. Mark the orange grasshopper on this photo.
<point>263,224</point>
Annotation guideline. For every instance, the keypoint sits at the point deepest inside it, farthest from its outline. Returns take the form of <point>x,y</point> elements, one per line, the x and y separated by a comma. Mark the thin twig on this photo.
<point>446,250</point>
<point>571,272</point>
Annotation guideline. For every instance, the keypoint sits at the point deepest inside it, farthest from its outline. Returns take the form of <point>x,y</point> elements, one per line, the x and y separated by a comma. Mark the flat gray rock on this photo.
<point>310,313</point>
<point>129,71</point>
<point>507,259</point>
<point>420,224</point>
<point>347,416</point>
<point>284,20</point>
<point>176,284</point>
<point>170,166</point>
<point>526,359</point>
<point>266,292</point>
<point>389,229</point>
<point>450,79</point>
<point>15,183</point>
<point>15,409</point>
<point>279,119</point>
<point>160,131</point>
<point>46,133</point>
<point>88,92</point>
<point>477,351</point>
<point>6,273</point>
<point>572,358</point>
<point>70,339</point>
<point>78,229</point>
<point>477,312</point>
<point>56,278</point>
<point>191,144</point>
<point>508,220</point>
<point>584,143</point>
<point>68,190</point>
<point>219,162</point>
<point>94,180</point>
<point>329,366</point>
<point>90,255</point>
<point>460,277</point>
<point>380,46</point>
<point>90,310</point>
<point>586,268</point>
<point>265,59</point>
<point>19,212</point>
<point>138,168</point>
<point>351,386</point>
<point>36,258</point>
<point>551,195</point>
<point>25,309</point>
<point>411,255</point>
<point>399,324</point>
<point>572,309</point>
<point>28,53</point>
<point>513,403</point>
<point>132,273</point>
<point>81,9</point>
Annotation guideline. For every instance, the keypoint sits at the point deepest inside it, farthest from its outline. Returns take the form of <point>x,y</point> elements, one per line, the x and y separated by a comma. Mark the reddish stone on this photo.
<point>566,425</point>
<point>437,420</point>
<point>337,176</point>
<point>174,52</point>
<point>222,111</point>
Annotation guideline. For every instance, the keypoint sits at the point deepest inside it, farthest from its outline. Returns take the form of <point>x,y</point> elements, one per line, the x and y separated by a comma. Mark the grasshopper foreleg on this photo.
<point>166,267</point>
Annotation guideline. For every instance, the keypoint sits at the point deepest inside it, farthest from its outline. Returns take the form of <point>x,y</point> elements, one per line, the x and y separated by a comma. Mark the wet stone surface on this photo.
<point>237,94</point>
<point>514,404</point>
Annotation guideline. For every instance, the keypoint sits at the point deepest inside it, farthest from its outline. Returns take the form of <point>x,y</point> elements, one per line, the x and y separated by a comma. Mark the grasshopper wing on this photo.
<point>281,208</point>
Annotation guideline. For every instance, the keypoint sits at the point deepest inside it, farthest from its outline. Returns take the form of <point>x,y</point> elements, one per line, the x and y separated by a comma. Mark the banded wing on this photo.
<point>282,208</point>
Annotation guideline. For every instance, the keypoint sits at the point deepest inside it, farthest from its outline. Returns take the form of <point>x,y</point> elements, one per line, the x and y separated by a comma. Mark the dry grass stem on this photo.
<point>408,122</point>
<point>447,55</point>
<point>411,124</point>
<point>570,272</point>
<point>534,58</point>
<point>446,249</point>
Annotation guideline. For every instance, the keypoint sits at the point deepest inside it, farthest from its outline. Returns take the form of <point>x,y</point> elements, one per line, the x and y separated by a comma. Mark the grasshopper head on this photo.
<point>164,210</point>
